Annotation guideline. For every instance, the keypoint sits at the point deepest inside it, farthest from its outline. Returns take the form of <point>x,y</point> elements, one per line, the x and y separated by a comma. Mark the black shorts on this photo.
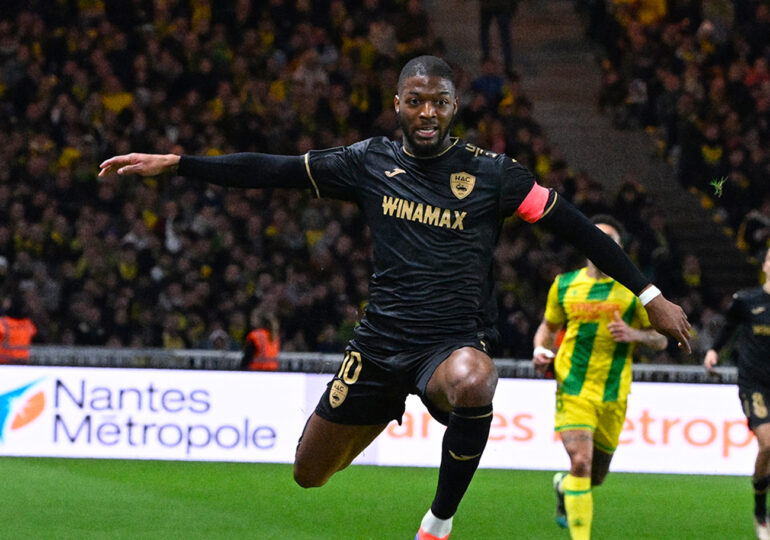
<point>369,391</point>
<point>755,403</point>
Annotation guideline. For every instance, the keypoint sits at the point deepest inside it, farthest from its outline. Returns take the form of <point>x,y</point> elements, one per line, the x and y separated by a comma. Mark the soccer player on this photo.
<point>434,205</point>
<point>604,322</point>
<point>748,322</point>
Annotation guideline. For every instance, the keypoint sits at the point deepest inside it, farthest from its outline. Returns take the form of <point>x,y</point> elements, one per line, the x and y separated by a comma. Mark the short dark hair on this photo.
<point>430,66</point>
<point>606,219</point>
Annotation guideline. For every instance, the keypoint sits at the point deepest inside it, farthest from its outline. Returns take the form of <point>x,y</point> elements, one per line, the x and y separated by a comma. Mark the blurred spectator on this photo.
<point>489,84</point>
<point>328,341</point>
<point>589,197</point>
<point>218,340</point>
<point>172,332</point>
<point>695,74</point>
<point>516,329</point>
<point>754,232</point>
<point>263,343</point>
<point>501,13</point>
<point>3,273</point>
<point>658,252</point>
<point>414,31</point>
<point>612,96</point>
<point>16,331</point>
<point>163,264</point>
<point>630,204</point>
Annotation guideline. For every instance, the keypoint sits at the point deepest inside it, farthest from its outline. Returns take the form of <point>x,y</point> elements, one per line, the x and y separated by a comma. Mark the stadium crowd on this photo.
<point>695,74</point>
<point>164,262</point>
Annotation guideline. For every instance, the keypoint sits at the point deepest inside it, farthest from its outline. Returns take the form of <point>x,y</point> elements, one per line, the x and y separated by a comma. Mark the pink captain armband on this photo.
<point>648,294</point>
<point>532,207</point>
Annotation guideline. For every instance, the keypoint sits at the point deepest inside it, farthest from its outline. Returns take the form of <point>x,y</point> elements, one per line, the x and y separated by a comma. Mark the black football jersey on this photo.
<point>749,317</point>
<point>434,224</point>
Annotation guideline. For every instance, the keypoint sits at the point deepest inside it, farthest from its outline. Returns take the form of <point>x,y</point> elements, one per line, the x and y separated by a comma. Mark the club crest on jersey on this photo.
<point>337,394</point>
<point>462,184</point>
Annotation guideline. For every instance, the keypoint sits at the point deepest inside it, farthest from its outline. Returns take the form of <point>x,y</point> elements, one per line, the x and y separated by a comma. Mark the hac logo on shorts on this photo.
<point>338,393</point>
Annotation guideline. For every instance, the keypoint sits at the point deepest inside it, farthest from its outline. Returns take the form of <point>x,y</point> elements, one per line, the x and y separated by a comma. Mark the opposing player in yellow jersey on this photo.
<point>604,322</point>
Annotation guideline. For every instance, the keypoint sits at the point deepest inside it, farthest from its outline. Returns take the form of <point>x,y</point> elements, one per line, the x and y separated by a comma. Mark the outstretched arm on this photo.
<point>244,170</point>
<point>141,164</point>
<point>569,223</point>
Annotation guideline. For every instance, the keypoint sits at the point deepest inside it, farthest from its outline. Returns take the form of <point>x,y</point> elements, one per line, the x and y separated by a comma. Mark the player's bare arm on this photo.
<point>141,164</point>
<point>710,360</point>
<point>240,170</point>
<point>622,332</point>
<point>543,342</point>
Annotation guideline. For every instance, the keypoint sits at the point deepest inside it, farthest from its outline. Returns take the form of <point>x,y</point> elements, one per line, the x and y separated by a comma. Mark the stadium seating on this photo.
<point>165,262</point>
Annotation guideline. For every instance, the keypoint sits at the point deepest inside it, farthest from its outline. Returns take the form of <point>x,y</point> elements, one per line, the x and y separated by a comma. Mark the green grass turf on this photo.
<point>112,499</point>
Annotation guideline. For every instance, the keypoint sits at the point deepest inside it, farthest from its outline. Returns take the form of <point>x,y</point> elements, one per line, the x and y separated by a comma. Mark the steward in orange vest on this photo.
<point>16,333</point>
<point>260,352</point>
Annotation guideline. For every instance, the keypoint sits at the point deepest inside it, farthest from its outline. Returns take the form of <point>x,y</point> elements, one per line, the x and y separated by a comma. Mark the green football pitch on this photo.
<point>110,499</point>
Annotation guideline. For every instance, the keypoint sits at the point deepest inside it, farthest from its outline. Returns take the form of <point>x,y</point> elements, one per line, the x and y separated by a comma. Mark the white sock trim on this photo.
<point>435,526</point>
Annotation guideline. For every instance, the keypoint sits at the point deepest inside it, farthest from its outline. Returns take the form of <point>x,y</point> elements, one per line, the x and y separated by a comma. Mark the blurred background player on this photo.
<point>748,323</point>
<point>604,322</point>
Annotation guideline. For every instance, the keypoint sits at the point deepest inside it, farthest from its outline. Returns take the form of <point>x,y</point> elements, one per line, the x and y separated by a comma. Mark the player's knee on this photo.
<point>472,381</point>
<point>581,465</point>
<point>474,390</point>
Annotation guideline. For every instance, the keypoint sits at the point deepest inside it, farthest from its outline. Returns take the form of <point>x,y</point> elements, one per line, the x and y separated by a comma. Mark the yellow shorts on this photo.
<point>605,420</point>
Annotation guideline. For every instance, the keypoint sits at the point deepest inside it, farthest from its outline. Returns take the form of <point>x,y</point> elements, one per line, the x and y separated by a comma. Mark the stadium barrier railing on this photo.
<point>309,362</point>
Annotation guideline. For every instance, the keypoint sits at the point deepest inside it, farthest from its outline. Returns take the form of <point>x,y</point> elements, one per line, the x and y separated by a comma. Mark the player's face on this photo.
<point>425,107</point>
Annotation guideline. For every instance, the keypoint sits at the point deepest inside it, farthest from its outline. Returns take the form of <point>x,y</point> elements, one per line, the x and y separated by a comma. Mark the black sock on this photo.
<point>464,441</point>
<point>760,497</point>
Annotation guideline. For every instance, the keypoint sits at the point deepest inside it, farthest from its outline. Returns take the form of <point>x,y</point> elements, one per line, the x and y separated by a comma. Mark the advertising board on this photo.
<point>258,417</point>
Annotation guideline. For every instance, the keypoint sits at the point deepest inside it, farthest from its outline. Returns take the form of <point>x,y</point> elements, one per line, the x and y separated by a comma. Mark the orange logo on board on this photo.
<point>13,416</point>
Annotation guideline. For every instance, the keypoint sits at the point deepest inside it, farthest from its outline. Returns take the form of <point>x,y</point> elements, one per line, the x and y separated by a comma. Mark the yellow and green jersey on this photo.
<point>590,363</point>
